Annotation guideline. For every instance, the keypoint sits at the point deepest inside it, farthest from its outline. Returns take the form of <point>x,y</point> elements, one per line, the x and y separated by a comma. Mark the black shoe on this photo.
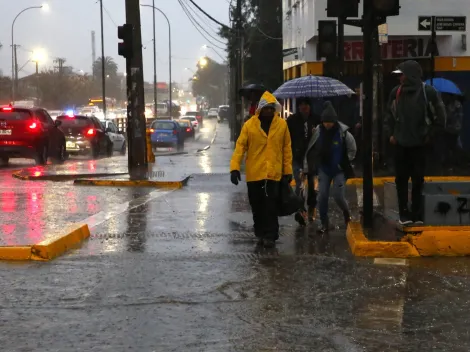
<point>323,228</point>
<point>311,214</point>
<point>301,218</point>
<point>347,217</point>
<point>268,243</point>
<point>405,220</point>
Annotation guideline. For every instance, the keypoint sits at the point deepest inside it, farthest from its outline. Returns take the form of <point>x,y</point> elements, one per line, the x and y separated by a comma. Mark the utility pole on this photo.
<point>155,93</point>
<point>15,83</point>
<point>136,126</point>
<point>368,177</point>
<point>103,73</point>
<point>238,71</point>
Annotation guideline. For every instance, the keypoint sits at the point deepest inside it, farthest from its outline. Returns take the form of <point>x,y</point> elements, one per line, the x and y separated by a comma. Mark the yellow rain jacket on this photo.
<point>268,157</point>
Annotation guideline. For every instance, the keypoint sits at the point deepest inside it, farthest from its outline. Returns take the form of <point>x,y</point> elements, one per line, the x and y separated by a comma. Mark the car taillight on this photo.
<point>7,109</point>
<point>175,132</point>
<point>91,132</point>
<point>152,130</point>
<point>33,126</point>
<point>188,130</point>
<point>199,117</point>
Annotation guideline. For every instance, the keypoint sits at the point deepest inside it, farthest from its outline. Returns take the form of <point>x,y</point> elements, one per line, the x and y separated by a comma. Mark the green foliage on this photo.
<point>210,82</point>
<point>262,33</point>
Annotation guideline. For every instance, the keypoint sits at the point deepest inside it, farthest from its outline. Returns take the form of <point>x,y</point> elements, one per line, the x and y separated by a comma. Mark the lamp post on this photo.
<point>14,72</point>
<point>103,66</point>
<point>38,56</point>
<point>169,58</point>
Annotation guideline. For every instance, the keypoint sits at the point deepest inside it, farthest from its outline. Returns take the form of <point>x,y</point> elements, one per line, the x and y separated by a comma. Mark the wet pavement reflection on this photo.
<point>180,270</point>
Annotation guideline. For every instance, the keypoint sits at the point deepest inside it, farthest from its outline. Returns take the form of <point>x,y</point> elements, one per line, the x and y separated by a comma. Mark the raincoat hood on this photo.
<point>413,73</point>
<point>267,99</point>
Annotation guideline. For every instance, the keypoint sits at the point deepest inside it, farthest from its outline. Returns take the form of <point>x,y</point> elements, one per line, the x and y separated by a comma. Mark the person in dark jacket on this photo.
<point>330,152</point>
<point>414,111</point>
<point>301,126</point>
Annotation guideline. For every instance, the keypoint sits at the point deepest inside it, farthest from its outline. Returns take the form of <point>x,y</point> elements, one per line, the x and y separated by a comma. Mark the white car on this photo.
<point>118,139</point>
<point>214,112</point>
<point>193,121</point>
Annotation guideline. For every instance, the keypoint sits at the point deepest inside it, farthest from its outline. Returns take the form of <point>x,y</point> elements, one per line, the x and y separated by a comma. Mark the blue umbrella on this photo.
<point>444,86</point>
<point>312,87</point>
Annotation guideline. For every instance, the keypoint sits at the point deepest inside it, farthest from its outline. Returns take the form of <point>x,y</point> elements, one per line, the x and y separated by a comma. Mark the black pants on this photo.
<point>264,199</point>
<point>410,162</point>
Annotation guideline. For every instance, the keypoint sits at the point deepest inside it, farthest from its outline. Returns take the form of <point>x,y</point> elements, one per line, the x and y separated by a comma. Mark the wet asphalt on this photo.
<point>179,270</point>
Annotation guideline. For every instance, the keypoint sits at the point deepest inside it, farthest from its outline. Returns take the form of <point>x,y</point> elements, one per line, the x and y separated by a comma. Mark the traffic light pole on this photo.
<point>368,185</point>
<point>136,126</point>
<point>341,21</point>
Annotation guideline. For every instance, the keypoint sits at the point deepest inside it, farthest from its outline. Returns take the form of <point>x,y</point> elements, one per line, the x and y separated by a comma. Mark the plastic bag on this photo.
<point>289,202</point>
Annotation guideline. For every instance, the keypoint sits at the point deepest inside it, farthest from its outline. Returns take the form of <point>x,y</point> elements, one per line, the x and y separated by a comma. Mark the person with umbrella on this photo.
<point>448,138</point>
<point>265,140</point>
<point>301,126</point>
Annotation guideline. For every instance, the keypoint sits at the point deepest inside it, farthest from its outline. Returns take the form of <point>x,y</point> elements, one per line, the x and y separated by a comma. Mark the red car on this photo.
<point>30,133</point>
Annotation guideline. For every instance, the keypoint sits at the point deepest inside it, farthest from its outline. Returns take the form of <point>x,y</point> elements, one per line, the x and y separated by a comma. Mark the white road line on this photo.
<point>103,216</point>
<point>360,197</point>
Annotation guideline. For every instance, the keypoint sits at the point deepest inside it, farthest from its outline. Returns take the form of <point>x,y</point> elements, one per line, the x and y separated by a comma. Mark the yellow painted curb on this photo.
<point>130,183</point>
<point>435,241</point>
<point>362,247</point>
<point>379,181</point>
<point>60,243</point>
<point>15,253</point>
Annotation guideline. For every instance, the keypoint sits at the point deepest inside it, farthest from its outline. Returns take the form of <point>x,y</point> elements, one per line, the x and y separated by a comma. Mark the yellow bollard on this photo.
<point>150,155</point>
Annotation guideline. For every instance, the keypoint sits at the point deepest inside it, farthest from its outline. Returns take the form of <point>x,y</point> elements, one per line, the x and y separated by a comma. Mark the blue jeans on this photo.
<point>339,194</point>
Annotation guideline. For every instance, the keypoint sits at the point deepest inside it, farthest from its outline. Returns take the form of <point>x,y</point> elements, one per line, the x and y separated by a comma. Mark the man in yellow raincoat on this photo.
<point>265,140</point>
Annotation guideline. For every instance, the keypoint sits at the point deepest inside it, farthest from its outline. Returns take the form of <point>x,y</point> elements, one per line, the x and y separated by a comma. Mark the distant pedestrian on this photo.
<point>301,126</point>
<point>330,152</point>
<point>265,140</point>
<point>415,109</point>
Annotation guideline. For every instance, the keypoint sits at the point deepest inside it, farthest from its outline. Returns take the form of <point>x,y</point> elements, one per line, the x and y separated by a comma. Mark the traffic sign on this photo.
<point>443,23</point>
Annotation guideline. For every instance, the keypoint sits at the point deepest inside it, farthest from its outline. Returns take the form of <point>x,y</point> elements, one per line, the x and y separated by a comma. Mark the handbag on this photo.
<point>289,202</point>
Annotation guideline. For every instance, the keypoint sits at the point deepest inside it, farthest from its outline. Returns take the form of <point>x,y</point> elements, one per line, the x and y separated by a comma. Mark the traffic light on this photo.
<point>386,7</point>
<point>327,40</point>
<point>343,8</point>
<point>126,34</point>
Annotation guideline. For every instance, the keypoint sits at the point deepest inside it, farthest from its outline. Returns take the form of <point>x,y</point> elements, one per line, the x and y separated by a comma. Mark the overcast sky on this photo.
<point>65,31</point>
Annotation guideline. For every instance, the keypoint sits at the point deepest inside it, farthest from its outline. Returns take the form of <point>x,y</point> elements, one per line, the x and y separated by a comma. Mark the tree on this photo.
<point>110,67</point>
<point>210,82</point>
<point>262,31</point>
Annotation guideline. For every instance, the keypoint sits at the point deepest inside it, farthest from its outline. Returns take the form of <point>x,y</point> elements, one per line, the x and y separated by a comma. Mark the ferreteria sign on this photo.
<point>395,49</point>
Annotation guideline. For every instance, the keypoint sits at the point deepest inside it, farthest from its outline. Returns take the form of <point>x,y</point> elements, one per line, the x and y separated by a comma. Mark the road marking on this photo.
<point>391,261</point>
<point>103,216</point>
<point>360,197</point>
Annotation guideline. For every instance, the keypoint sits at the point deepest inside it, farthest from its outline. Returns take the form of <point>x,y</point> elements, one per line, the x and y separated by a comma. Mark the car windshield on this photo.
<point>190,118</point>
<point>75,122</point>
<point>163,125</point>
<point>15,115</point>
<point>184,123</point>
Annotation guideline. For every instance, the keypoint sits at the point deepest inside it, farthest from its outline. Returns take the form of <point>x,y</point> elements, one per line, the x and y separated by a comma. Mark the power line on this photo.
<point>210,35</point>
<point>203,20</point>
<point>209,16</point>
<point>266,35</point>
<point>195,25</point>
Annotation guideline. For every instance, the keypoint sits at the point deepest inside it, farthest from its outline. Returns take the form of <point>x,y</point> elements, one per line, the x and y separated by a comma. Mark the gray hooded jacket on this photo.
<point>406,117</point>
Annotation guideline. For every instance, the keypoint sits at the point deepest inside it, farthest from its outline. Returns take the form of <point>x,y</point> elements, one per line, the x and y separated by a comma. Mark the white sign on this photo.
<point>383,33</point>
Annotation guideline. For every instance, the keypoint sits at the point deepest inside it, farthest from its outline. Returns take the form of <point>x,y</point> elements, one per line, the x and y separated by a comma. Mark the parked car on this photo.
<point>213,113</point>
<point>193,121</point>
<point>166,133</point>
<point>197,115</point>
<point>85,135</point>
<point>116,137</point>
<point>30,133</point>
<point>187,129</point>
<point>223,113</point>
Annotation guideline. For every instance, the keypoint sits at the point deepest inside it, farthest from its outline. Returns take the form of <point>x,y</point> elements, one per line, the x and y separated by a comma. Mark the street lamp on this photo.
<point>203,62</point>
<point>14,71</point>
<point>155,57</point>
<point>215,51</point>
<point>38,56</point>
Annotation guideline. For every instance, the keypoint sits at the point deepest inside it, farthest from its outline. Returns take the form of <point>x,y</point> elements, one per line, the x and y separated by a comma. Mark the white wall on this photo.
<point>300,27</point>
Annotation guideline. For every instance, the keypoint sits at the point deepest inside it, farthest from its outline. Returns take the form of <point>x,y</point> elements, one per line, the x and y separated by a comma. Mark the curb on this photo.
<point>171,154</point>
<point>50,248</point>
<point>379,181</point>
<point>18,175</point>
<point>425,241</point>
<point>132,183</point>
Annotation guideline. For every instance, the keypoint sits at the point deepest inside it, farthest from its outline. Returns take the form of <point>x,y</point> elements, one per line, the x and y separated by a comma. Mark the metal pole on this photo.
<point>37,80</point>
<point>433,51</point>
<point>238,75</point>
<point>103,73</point>
<point>155,93</point>
<point>16,68</point>
<point>340,48</point>
<point>169,64</point>
<point>136,126</point>
<point>368,190</point>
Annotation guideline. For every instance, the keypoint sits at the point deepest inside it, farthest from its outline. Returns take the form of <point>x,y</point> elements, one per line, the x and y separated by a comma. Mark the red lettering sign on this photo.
<point>394,49</point>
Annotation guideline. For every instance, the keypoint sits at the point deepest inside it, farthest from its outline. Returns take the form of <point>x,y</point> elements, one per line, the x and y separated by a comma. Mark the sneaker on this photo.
<point>301,218</point>
<point>405,220</point>
<point>312,213</point>
<point>269,243</point>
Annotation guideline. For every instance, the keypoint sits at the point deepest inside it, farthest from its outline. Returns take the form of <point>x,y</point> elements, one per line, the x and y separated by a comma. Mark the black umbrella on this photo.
<point>253,91</point>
